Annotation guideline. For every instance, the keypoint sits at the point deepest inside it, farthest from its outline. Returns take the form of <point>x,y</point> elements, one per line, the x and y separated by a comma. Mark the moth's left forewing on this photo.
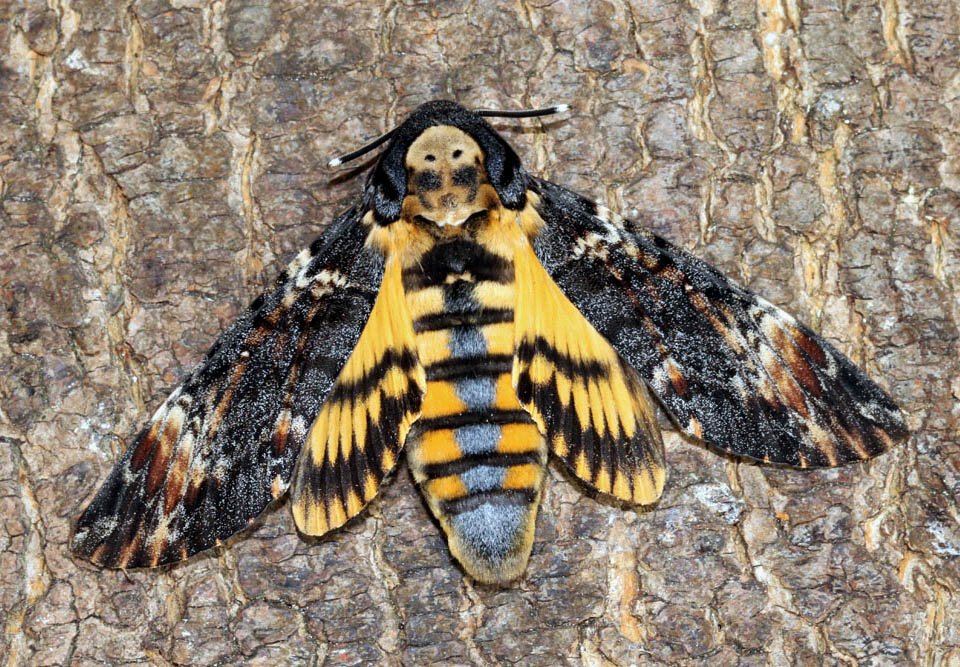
<point>730,368</point>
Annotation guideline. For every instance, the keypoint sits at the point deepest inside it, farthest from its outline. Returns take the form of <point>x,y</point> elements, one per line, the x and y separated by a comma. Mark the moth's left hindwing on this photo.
<point>224,444</point>
<point>730,368</point>
<point>593,409</point>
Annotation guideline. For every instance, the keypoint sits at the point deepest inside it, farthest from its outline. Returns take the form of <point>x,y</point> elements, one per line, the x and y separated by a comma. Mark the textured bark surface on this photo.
<point>159,162</point>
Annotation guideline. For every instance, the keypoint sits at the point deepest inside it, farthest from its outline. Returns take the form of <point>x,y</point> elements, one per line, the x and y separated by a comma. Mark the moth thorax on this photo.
<point>445,175</point>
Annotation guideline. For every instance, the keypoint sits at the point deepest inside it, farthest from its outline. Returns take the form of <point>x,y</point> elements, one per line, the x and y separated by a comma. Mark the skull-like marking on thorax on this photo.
<point>446,179</point>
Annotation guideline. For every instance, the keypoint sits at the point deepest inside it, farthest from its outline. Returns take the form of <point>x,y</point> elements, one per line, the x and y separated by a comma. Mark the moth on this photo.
<point>479,319</point>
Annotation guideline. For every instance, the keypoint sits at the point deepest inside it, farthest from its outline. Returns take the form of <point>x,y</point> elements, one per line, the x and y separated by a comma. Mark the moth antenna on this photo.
<point>363,150</point>
<point>486,113</point>
<point>523,113</point>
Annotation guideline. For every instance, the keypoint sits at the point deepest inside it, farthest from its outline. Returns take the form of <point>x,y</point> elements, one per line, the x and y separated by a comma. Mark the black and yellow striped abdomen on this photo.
<point>476,453</point>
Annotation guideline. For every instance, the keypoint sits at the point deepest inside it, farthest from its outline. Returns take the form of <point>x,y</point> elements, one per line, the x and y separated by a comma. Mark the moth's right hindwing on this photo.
<point>224,444</point>
<point>357,437</point>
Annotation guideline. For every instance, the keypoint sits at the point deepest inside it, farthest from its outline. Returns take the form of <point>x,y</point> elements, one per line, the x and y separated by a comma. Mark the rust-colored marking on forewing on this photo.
<point>131,547</point>
<point>165,445</point>
<point>177,476</point>
<point>720,325</point>
<point>226,396</point>
<point>814,351</point>
<point>277,487</point>
<point>281,432</point>
<point>676,377</point>
<point>146,444</point>
<point>795,359</point>
<point>784,381</point>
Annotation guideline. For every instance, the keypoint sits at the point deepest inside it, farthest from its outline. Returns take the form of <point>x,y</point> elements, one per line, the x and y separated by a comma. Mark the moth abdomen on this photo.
<point>475,452</point>
<point>486,497</point>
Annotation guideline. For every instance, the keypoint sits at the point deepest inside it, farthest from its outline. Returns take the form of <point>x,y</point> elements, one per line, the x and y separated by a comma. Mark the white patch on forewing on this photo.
<point>332,277</point>
<point>877,413</point>
<point>765,308</point>
<point>184,402</point>
<point>160,537</point>
<point>612,223</point>
<point>831,368</point>
<point>319,290</point>
<point>290,297</point>
<point>101,528</point>
<point>591,244</point>
<point>220,468</point>
<point>299,262</point>
<point>660,380</point>
<point>609,217</point>
<point>633,252</point>
<point>301,281</point>
<point>167,404</point>
<point>768,356</point>
<point>737,340</point>
<point>741,388</point>
<point>175,418</point>
<point>185,448</point>
<point>298,427</point>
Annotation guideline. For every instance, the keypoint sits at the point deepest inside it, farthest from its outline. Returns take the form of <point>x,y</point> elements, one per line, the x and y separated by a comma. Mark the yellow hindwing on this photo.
<point>357,437</point>
<point>593,409</point>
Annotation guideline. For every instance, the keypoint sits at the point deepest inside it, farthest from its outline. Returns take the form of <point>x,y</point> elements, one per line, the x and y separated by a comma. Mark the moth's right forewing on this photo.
<point>225,442</point>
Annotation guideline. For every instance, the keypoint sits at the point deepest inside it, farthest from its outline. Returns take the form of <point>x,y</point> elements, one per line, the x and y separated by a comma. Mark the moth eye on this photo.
<point>457,153</point>
<point>429,158</point>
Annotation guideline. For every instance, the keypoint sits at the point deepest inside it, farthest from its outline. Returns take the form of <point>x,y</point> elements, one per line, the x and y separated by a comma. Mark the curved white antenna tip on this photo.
<point>335,162</point>
<point>563,107</point>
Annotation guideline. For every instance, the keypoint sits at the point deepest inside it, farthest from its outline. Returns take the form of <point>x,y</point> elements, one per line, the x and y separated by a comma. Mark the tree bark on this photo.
<point>159,163</point>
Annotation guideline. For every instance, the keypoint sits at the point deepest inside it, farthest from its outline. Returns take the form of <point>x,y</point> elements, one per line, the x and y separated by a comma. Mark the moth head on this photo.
<point>445,172</point>
<point>467,154</point>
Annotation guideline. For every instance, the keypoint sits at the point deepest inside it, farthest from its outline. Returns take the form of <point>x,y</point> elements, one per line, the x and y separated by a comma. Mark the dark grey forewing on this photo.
<point>224,444</point>
<point>731,368</point>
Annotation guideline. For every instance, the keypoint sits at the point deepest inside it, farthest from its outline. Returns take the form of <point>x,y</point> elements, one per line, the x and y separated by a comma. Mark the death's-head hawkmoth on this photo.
<point>477,318</point>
